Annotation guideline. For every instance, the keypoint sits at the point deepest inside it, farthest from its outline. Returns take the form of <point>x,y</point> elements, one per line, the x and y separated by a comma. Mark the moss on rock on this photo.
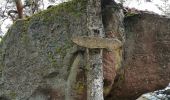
<point>35,47</point>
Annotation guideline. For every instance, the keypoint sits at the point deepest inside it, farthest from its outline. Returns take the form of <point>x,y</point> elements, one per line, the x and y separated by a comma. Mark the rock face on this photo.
<point>146,58</point>
<point>37,55</point>
<point>163,94</point>
<point>37,52</point>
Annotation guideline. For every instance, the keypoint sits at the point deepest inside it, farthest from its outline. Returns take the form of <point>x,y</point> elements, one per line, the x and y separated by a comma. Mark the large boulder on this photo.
<point>146,57</point>
<point>38,60</point>
<point>36,52</point>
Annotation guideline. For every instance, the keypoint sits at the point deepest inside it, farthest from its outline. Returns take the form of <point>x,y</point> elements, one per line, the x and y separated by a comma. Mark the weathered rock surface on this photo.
<point>163,94</point>
<point>146,58</point>
<point>37,55</point>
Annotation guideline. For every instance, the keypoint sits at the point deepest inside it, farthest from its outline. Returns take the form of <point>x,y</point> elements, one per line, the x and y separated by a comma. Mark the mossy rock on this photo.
<point>37,46</point>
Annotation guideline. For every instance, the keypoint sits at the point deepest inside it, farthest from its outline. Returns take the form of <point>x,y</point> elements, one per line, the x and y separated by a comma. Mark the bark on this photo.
<point>72,78</point>
<point>19,6</point>
<point>94,61</point>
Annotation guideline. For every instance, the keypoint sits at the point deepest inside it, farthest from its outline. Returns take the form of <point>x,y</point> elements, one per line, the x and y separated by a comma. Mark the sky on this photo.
<point>8,22</point>
<point>143,5</point>
<point>138,4</point>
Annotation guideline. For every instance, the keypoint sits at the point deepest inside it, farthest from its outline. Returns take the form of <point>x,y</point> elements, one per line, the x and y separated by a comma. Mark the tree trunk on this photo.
<point>94,56</point>
<point>19,8</point>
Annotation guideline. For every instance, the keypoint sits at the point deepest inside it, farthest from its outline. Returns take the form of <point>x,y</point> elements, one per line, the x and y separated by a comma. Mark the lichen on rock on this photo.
<point>37,53</point>
<point>34,50</point>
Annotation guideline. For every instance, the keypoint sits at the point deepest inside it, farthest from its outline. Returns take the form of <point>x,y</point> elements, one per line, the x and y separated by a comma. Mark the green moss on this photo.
<point>23,26</point>
<point>120,80</point>
<point>23,35</point>
<point>74,8</point>
<point>79,87</point>
<point>25,39</point>
<point>58,50</point>
<point>128,14</point>
<point>107,90</point>
<point>13,95</point>
<point>1,57</point>
<point>52,59</point>
<point>64,49</point>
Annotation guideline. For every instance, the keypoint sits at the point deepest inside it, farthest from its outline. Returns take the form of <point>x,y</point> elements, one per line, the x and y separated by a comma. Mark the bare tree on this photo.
<point>16,9</point>
<point>19,7</point>
<point>165,7</point>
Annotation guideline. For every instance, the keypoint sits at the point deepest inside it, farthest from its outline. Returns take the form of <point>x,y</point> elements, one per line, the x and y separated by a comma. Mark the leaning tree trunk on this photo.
<point>94,61</point>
